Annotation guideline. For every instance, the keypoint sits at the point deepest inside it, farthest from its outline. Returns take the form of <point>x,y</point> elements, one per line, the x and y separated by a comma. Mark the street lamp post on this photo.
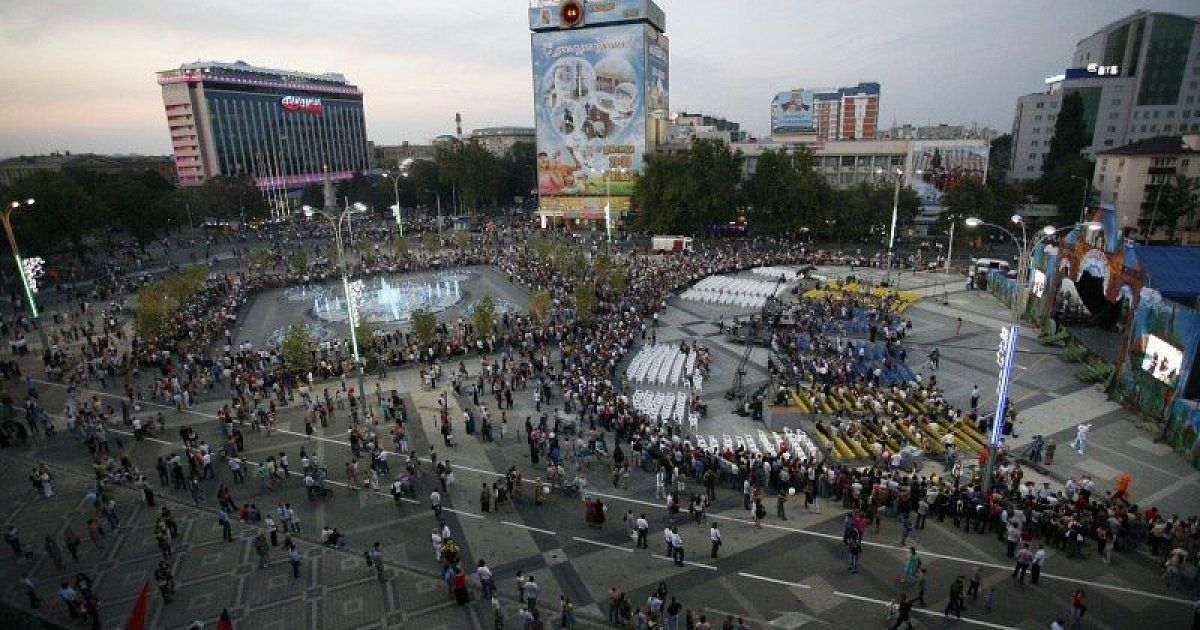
<point>1087,188</point>
<point>950,246</point>
<point>898,176</point>
<point>351,306</point>
<point>26,282</point>
<point>396,190</point>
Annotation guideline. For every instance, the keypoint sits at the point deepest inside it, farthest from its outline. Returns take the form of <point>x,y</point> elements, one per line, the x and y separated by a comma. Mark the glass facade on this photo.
<point>1166,56</point>
<point>254,133</point>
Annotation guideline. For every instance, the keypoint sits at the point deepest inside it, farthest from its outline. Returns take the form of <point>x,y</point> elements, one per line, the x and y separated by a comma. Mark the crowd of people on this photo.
<point>566,360</point>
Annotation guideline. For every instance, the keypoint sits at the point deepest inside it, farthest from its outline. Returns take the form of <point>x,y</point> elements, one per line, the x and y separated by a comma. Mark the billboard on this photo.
<point>590,105</point>
<point>942,165</point>
<point>792,112</point>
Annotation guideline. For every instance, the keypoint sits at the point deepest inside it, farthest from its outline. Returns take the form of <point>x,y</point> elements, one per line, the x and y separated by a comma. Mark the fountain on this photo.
<point>384,302</point>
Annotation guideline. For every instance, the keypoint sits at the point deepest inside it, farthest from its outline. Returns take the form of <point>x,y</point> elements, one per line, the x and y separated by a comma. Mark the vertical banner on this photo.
<point>1005,358</point>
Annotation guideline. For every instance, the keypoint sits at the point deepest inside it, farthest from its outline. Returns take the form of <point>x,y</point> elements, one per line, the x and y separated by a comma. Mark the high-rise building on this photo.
<point>600,78</point>
<point>1139,77</point>
<point>283,129</point>
<point>847,113</point>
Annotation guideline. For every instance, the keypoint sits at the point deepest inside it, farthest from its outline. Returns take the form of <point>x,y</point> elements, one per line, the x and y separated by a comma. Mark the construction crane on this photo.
<point>768,322</point>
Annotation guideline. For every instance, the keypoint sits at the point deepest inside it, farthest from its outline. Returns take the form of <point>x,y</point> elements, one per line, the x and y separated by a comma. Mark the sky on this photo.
<point>79,76</point>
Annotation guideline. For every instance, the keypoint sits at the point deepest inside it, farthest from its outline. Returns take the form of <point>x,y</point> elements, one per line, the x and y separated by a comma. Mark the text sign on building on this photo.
<point>1005,358</point>
<point>1092,71</point>
<point>302,104</point>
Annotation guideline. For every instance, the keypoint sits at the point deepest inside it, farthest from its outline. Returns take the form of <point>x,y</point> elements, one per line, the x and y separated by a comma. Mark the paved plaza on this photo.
<point>789,574</point>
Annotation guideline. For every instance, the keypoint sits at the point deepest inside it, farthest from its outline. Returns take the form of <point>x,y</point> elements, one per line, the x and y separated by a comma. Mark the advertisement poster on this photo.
<point>792,112</point>
<point>943,164</point>
<point>590,108</point>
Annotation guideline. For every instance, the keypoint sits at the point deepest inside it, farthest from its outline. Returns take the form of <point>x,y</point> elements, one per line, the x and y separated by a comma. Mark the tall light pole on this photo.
<point>950,245</point>
<point>898,176</point>
<point>396,190</point>
<point>351,307</point>
<point>26,281</point>
<point>1087,188</point>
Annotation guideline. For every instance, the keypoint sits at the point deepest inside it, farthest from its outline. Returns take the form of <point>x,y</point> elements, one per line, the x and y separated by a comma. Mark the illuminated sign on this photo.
<point>1092,71</point>
<point>302,104</point>
<point>1005,358</point>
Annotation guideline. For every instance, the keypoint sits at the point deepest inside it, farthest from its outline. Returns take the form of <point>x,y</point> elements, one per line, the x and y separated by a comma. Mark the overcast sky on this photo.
<point>80,75</point>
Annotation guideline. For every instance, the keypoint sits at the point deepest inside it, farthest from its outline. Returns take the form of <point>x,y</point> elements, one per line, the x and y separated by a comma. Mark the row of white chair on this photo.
<point>798,443</point>
<point>662,364</point>
<point>663,406</point>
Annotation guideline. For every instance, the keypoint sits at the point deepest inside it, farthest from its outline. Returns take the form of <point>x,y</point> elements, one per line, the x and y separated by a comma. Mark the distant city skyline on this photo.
<point>81,77</point>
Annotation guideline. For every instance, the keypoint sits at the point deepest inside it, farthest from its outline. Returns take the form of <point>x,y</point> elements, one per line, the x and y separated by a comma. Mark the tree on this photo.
<point>424,326</point>
<point>152,311</point>
<point>313,196</point>
<point>430,242</point>
<point>539,305</point>
<point>364,336</point>
<point>62,214</point>
<point>785,193</point>
<point>471,169</point>
<point>1064,165</point>
<point>1174,200</point>
<point>999,157</point>
<point>297,348</point>
<point>585,302</point>
<point>618,279</point>
<point>687,191</point>
<point>484,316</point>
<point>400,246</point>
<point>300,261</point>
<point>461,240</point>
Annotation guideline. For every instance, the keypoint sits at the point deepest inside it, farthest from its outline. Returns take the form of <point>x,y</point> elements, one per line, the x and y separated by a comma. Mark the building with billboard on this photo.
<point>283,129</point>
<point>601,85</point>
<point>847,113</point>
<point>1139,78</point>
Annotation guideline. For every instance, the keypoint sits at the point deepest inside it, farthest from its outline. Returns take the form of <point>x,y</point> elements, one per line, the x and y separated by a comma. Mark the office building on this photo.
<point>1139,77</point>
<point>1131,179</point>
<point>500,140</point>
<point>17,168</point>
<point>283,129</point>
<point>807,114</point>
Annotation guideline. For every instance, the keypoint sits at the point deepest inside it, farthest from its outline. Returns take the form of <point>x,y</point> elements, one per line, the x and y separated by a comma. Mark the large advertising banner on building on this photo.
<point>590,107</point>
<point>792,112</point>
<point>658,84</point>
<point>939,165</point>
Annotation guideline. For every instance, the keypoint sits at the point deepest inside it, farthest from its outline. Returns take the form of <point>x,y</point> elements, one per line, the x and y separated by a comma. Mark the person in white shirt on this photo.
<point>1081,437</point>
<point>714,535</point>
<point>643,529</point>
<point>677,548</point>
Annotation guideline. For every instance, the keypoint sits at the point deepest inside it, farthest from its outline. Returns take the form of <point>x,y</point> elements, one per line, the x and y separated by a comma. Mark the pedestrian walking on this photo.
<point>71,542</point>
<point>714,535</point>
<point>903,613</point>
<point>295,557</point>
<point>643,531</point>
<point>1035,569</point>
<point>262,549</point>
<point>30,589</point>
<point>955,604</point>
<point>1081,437</point>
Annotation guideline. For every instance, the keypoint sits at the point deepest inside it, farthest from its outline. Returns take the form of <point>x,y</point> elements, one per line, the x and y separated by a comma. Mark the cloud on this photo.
<point>80,75</point>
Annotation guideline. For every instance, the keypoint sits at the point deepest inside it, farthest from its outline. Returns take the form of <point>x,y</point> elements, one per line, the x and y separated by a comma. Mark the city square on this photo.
<point>629,367</point>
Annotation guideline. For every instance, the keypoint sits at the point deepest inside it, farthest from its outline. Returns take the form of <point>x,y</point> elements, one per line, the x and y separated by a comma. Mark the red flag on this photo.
<point>137,616</point>
<point>224,623</point>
